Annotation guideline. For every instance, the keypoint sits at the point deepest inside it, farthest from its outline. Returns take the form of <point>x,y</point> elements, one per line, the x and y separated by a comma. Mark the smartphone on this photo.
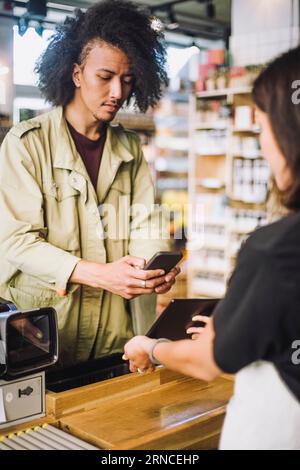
<point>165,260</point>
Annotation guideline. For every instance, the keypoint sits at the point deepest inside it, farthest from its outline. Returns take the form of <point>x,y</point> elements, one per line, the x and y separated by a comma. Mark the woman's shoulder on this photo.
<point>282,232</point>
<point>276,244</point>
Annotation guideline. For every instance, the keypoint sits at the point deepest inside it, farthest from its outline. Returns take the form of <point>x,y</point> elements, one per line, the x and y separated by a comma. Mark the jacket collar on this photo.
<point>116,149</point>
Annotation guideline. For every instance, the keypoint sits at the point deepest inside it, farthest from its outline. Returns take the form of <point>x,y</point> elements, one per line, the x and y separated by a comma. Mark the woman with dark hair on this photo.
<point>76,198</point>
<point>255,330</point>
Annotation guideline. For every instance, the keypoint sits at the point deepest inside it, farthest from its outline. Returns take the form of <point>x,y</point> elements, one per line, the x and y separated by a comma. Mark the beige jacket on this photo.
<point>50,220</point>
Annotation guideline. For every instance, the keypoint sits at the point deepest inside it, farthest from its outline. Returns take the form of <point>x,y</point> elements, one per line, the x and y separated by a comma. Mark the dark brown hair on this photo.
<point>276,92</point>
<point>119,23</point>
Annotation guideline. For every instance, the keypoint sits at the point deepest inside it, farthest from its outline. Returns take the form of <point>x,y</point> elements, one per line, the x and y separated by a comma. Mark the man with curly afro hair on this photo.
<point>78,220</point>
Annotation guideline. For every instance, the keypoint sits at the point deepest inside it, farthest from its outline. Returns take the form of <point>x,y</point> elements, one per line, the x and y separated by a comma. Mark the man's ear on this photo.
<point>76,75</point>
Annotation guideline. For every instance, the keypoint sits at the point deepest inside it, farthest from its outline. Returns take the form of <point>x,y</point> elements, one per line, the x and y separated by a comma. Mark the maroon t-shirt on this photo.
<point>90,151</point>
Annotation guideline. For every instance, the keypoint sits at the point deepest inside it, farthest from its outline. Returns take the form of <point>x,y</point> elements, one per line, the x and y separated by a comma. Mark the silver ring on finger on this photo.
<point>144,284</point>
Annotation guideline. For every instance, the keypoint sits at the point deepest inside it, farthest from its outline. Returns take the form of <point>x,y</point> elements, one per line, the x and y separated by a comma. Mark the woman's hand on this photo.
<point>196,331</point>
<point>170,279</point>
<point>137,352</point>
<point>125,277</point>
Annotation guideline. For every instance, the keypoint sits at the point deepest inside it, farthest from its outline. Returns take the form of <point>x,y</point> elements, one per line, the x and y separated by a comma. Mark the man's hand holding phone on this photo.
<point>167,261</point>
<point>129,277</point>
<point>170,279</point>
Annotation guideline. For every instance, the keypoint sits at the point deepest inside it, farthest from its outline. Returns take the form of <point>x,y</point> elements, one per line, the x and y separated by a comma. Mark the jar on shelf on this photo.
<point>222,78</point>
<point>210,82</point>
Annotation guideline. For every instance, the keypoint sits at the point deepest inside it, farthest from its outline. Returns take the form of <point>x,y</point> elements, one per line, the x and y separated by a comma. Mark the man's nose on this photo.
<point>116,89</point>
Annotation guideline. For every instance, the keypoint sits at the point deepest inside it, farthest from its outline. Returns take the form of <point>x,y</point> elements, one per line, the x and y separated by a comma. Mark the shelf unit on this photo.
<point>144,126</point>
<point>228,183</point>
<point>172,147</point>
<point>226,92</point>
<point>3,131</point>
<point>5,125</point>
<point>171,167</point>
<point>164,134</point>
<point>136,121</point>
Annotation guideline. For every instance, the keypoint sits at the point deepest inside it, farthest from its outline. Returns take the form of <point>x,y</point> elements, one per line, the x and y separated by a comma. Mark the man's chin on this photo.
<point>105,117</point>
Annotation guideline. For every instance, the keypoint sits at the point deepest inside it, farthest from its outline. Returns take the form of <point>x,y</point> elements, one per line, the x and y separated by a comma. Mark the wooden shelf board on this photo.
<point>251,130</point>
<point>207,293</point>
<point>203,126</point>
<point>198,154</point>
<point>247,157</point>
<point>203,269</point>
<point>224,92</point>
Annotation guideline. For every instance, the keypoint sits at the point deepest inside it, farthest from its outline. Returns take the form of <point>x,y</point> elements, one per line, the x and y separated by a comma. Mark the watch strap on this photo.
<point>152,358</point>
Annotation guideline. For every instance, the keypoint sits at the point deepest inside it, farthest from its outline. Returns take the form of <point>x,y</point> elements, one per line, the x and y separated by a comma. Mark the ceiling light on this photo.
<point>39,29</point>
<point>172,23</point>
<point>156,24</point>
<point>3,70</point>
<point>23,25</point>
<point>195,46</point>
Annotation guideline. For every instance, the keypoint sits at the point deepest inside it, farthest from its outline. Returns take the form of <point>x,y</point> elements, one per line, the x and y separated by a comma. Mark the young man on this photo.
<point>62,173</point>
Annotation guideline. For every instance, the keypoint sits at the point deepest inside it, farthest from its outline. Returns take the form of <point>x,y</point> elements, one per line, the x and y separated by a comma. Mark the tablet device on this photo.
<point>177,318</point>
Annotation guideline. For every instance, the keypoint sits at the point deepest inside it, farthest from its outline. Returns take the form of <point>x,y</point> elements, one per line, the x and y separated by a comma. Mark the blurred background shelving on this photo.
<point>228,185</point>
<point>171,175</point>
<point>5,125</point>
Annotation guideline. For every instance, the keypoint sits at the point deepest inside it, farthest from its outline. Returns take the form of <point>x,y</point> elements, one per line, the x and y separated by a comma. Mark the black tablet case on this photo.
<point>177,317</point>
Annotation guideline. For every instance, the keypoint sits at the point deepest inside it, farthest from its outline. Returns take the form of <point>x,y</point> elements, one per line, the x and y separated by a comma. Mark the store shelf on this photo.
<point>3,131</point>
<point>210,270</point>
<point>207,126</point>
<point>217,222</point>
<point>247,157</point>
<point>163,184</point>
<point>217,293</point>
<point>224,92</point>
<point>192,246</point>
<point>135,121</point>
<point>206,154</point>
<point>247,204</point>
<point>171,165</point>
<point>241,231</point>
<point>210,183</point>
<point>235,171</point>
<point>250,130</point>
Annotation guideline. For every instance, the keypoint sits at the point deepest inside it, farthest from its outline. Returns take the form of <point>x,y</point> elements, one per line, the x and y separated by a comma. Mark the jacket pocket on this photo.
<point>35,287</point>
<point>62,217</point>
<point>36,294</point>
<point>28,300</point>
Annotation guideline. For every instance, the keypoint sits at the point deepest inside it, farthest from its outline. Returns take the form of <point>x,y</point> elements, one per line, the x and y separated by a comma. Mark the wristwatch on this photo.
<point>154,361</point>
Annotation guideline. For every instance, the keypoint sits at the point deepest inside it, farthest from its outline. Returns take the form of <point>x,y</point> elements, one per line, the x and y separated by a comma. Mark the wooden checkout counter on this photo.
<point>159,410</point>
